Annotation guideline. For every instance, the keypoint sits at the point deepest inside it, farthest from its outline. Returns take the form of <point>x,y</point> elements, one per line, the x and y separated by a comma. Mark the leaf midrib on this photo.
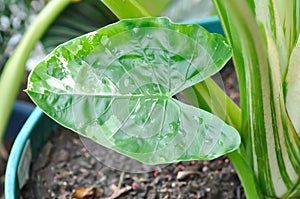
<point>121,96</point>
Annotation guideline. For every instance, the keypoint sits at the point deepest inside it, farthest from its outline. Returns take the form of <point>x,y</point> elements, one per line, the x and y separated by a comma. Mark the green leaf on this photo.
<point>154,7</point>
<point>136,8</point>
<point>77,19</point>
<point>115,86</point>
<point>293,85</point>
<point>127,8</point>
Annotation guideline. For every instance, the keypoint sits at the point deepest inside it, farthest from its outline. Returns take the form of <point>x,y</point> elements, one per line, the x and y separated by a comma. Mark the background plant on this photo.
<point>14,69</point>
<point>15,17</point>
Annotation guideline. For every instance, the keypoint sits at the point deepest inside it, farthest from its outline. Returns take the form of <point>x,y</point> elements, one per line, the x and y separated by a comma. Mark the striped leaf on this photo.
<point>257,32</point>
<point>293,87</point>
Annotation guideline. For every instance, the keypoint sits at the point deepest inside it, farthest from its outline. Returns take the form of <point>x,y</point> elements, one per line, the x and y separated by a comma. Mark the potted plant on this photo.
<point>265,42</point>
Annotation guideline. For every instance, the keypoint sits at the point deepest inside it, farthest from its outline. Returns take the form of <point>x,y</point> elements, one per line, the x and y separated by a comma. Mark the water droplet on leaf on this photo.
<point>150,57</point>
<point>200,120</point>
<point>182,132</point>
<point>163,158</point>
<point>180,146</point>
<point>105,40</point>
<point>174,126</point>
<point>149,36</point>
<point>220,142</point>
<point>208,141</point>
<point>104,81</point>
<point>135,30</point>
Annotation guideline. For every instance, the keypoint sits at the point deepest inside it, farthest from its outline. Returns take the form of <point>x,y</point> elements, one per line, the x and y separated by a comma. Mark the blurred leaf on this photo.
<point>136,8</point>
<point>78,19</point>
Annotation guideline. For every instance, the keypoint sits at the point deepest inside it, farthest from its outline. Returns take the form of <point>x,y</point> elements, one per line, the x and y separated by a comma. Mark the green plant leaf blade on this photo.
<point>115,86</point>
<point>293,85</point>
<point>256,32</point>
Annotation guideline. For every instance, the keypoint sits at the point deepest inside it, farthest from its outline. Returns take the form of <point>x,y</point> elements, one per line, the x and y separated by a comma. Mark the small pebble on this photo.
<point>205,168</point>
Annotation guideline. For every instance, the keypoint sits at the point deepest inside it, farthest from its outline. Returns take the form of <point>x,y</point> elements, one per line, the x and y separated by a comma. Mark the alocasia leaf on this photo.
<point>115,86</point>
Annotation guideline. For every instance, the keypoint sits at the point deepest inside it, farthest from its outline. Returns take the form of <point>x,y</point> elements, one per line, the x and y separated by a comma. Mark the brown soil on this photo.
<point>65,169</point>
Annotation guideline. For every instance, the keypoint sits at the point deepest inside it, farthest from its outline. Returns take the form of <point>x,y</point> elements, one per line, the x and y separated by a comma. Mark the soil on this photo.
<point>65,169</point>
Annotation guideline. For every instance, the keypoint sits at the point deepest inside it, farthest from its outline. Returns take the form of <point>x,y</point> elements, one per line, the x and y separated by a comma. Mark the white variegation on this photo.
<point>293,87</point>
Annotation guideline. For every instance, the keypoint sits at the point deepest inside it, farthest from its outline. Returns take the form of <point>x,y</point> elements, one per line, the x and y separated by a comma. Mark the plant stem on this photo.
<point>246,175</point>
<point>14,69</point>
<point>212,98</point>
<point>136,8</point>
<point>126,8</point>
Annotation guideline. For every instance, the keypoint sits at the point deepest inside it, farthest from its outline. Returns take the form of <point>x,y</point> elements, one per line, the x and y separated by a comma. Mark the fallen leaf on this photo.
<point>85,193</point>
<point>183,174</point>
<point>119,192</point>
<point>143,180</point>
<point>164,190</point>
<point>113,187</point>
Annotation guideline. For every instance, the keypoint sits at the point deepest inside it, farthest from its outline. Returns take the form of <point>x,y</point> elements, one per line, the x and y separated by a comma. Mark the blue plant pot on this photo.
<point>20,113</point>
<point>37,129</point>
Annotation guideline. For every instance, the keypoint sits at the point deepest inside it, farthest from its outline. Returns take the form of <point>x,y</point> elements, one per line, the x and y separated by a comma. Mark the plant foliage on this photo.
<point>115,86</point>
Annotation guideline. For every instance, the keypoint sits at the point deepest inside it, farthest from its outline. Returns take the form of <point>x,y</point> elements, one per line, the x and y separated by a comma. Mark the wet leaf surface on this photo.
<point>115,87</point>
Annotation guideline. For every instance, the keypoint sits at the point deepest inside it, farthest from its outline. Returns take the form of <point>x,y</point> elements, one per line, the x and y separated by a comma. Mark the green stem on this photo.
<point>246,175</point>
<point>155,7</point>
<point>126,8</point>
<point>14,69</point>
<point>212,98</point>
<point>136,8</point>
